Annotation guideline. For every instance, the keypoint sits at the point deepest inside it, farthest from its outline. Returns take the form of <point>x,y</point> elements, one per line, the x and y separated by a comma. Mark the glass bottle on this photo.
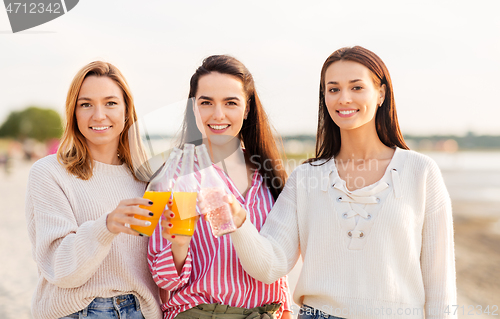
<point>185,193</point>
<point>159,191</point>
<point>212,191</point>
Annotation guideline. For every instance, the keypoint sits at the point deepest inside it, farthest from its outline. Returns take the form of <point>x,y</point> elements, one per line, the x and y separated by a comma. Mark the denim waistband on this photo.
<point>305,309</point>
<point>114,302</point>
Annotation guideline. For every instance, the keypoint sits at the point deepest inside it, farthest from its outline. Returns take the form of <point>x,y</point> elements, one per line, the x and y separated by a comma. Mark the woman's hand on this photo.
<point>167,224</point>
<point>180,243</point>
<point>238,212</point>
<point>124,214</point>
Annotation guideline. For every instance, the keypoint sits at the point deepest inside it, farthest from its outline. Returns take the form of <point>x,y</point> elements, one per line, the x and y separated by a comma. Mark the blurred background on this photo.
<point>444,59</point>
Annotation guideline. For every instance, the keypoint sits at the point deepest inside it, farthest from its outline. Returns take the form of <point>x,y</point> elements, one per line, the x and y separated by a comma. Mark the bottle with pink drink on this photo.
<point>212,192</point>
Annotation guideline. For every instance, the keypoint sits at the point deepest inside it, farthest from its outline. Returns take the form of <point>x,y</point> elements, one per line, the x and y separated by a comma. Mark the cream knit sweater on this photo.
<point>78,259</point>
<point>384,251</point>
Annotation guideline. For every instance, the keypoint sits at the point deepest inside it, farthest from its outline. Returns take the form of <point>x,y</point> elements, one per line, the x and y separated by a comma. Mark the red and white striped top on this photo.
<point>212,272</point>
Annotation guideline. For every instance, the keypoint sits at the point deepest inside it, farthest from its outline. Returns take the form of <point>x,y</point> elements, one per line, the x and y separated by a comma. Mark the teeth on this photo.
<point>100,128</point>
<point>347,112</point>
<point>218,127</point>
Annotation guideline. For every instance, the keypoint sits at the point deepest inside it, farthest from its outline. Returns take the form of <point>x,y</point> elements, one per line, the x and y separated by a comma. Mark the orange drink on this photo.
<point>160,200</point>
<point>184,208</point>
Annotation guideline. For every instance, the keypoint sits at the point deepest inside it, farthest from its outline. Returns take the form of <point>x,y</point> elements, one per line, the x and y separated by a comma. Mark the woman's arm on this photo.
<point>67,254</point>
<point>438,257</point>
<point>170,267</point>
<point>271,254</point>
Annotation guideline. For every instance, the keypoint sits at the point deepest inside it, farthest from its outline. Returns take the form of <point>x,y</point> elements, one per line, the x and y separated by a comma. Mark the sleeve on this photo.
<point>161,263</point>
<point>286,299</point>
<point>438,256</point>
<point>67,254</point>
<point>272,253</point>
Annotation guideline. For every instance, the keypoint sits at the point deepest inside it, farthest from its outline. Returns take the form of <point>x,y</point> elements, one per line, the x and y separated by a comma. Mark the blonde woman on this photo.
<point>79,204</point>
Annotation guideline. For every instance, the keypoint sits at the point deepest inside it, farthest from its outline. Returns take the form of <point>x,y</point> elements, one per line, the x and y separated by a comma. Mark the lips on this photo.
<point>218,128</point>
<point>99,128</point>
<point>347,113</point>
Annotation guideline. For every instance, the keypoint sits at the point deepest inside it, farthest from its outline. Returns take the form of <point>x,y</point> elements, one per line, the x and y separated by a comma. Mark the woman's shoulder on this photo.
<point>417,160</point>
<point>319,166</point>
<point>46,165</point>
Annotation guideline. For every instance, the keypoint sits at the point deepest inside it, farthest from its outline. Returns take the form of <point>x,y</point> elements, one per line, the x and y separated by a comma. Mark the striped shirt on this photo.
<point>212,272</point>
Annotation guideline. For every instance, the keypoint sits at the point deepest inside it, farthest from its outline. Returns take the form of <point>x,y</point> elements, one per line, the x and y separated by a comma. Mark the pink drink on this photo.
<point>218,211</point>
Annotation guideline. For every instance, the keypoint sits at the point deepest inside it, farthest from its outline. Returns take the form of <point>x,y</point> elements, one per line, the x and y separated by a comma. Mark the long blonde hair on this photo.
<point>73,153</point>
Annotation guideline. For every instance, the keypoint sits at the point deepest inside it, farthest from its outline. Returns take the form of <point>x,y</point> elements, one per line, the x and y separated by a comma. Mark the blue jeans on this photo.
<point>119,307</point>
<point>307,312</point>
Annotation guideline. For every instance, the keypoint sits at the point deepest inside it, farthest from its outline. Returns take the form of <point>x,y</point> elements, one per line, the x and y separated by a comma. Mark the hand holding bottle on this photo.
<point>124,214</point>
<point>238,213</point>
<point>167,225</point>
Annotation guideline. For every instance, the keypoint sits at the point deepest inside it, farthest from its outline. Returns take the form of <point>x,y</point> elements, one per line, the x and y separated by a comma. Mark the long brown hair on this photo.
<point>328,140</point>
<point>73,152</point>
<point>256,133</point>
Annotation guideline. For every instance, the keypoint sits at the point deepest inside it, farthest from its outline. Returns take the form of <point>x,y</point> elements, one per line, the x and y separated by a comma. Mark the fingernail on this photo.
<point>173,236</point>
<point>151,214</point>
<point>169,225</point>
<point>170,202</point>
<point>141,235</point>
<point>147,223</point>
<point>172,215</point>
<point>150,203</point>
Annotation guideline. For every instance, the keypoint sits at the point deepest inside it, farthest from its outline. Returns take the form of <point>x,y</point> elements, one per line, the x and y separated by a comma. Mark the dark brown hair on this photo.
<point>256,133</point>
<point>328,140</point>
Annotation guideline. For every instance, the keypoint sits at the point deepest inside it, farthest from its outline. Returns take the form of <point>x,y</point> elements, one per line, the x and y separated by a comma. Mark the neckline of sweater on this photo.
<point>109,169</point>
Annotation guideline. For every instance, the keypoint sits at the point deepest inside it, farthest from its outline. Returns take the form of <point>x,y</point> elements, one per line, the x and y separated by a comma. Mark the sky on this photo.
<point>443,56</point>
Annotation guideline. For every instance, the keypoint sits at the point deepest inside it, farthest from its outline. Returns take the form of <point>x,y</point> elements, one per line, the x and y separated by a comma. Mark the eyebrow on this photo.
<point>106,98</point>
<point>203,97</point>
<point>351,81</point>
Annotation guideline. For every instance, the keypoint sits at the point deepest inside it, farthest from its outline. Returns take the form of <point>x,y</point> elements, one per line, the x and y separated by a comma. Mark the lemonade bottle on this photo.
<point>185,193</point>
<point>159,191</point>
<point>212,191</point>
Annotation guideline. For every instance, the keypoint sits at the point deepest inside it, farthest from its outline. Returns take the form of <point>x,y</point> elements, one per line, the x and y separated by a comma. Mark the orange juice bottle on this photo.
<point>185,192</point>
<point>185,203</point>
<point>159,191</point>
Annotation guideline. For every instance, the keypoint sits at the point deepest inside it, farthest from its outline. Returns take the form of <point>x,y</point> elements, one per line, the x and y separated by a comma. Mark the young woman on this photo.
<point>78,205</point>
<point>371,219</point>
<point>203,272</point>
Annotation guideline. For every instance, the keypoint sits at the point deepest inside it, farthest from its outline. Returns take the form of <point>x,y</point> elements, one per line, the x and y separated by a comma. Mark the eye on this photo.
<point>205,103</point>
<point>111,103</point>
<point>232,103</point>
<point>85,105</point>
<point>357,88</point>
<point>333,90</point>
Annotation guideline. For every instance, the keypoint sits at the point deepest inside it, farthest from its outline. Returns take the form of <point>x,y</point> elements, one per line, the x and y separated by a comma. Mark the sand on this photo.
<point>477,242</point>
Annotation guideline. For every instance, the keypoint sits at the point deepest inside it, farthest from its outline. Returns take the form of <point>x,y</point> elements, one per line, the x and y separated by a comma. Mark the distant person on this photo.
<point>203,272</point>
<point>371,219</point>
<point>79,204</point>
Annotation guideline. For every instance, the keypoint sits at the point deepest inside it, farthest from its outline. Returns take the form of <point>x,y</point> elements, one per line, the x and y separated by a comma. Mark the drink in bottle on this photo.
<point>185,193</point>
<point>212,191</point>
<point>159,191</point>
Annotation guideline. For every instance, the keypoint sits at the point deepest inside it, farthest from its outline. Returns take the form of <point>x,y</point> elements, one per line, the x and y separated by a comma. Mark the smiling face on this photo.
<point>351,96</point>
<point>100,113</point>
<point>220,107</point>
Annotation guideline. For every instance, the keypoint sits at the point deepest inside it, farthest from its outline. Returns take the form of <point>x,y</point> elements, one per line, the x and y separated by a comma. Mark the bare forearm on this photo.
<point>180,254</point>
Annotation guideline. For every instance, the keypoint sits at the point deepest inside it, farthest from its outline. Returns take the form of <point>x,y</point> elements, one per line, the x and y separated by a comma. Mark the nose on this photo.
<point>345,97</point>
<point>99,113</point>
<point>218,113</point>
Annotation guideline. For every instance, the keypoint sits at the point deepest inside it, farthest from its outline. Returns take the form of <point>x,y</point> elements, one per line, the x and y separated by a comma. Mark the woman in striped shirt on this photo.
<point>203,273</point>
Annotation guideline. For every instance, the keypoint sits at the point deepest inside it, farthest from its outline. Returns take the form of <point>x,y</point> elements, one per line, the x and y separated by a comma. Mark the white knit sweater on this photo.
<point>78,259</point>
<point>382,251</point>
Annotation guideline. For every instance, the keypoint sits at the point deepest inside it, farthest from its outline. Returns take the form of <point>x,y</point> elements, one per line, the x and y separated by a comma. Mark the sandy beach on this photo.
<point>477,236</point>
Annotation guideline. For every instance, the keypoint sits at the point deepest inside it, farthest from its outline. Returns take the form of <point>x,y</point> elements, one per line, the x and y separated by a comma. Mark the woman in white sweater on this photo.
<point>371,220</point>
<point>79,204</point>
